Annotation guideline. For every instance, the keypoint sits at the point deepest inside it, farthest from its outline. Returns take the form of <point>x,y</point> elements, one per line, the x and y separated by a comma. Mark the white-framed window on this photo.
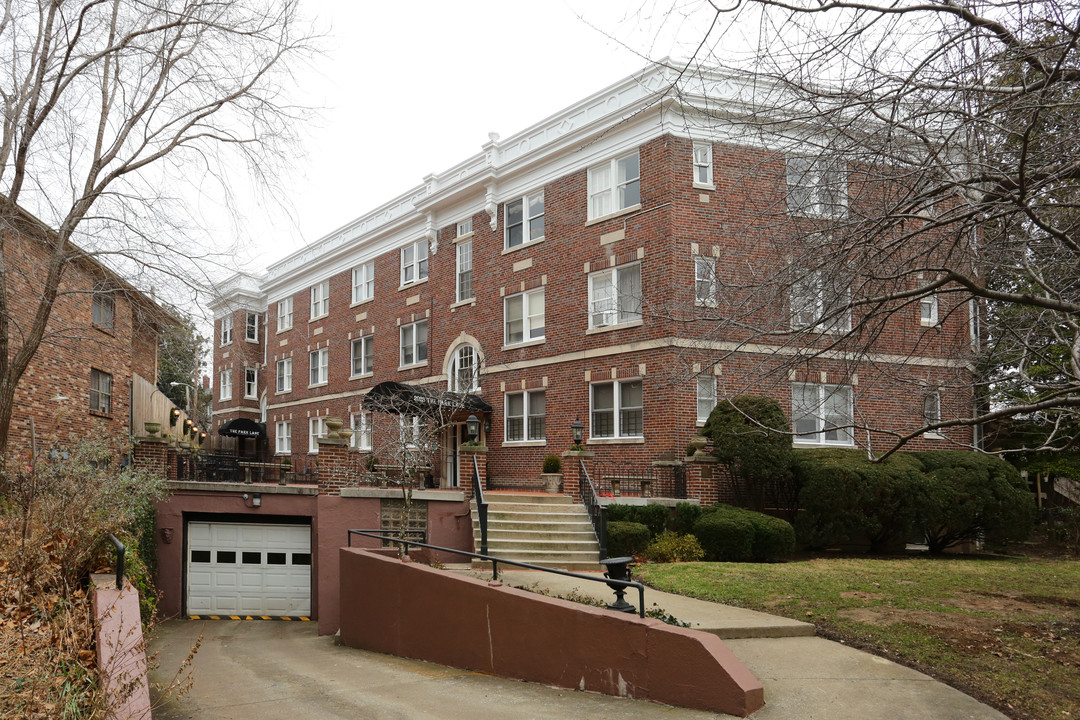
<point>615,185</point>
<point>102,308</point>
<point>617,409</point>
<point>283,437</point>
<point>316,430</point>
<point>464,227</point>
<point>931,407</point>
<point>526,416</point>
<point>284,314</point>
<point>225,385</point>
<point>816,187</point>
<point>284,375</point>
<point>363,282</point>
<point>928,311</point>
<point>463,375</point>
<point>525,220</point>
<point>318,366</point>
<point>100,391</point>
<point>414,343</point>
<point>251,383</point>
<point>822,414</point>
<point>251,327</point>
<point>706,396</point>
<point>615,296</point>
<point>409,430</point>
<point>361,424</point>
<point>523,317</point>
<point>363,355</point>
<point>703,164</point>
<point>705,287</point>
<point>226,330</point>
<point>320,299</point>
<point>414,262</point>
<point>820,302</point>
<point>464,270</point>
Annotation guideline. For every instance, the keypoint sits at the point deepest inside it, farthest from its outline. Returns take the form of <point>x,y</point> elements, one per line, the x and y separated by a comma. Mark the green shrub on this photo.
<point>626,538</point>
<point>654,517</point>
<point>973,496</point>
<point>620,513</point>
<point>670,547</point>
<point>683,518</point>
<point>725,537</point>
<point>770,539</point>
<point>552,464</point>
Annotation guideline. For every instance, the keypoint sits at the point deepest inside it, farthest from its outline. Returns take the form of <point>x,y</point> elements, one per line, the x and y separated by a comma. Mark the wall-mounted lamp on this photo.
<point>174,415</point>
<point>202,437</point>
<point>256,499</point>
<point>472,427</point>
<point>577,430</point>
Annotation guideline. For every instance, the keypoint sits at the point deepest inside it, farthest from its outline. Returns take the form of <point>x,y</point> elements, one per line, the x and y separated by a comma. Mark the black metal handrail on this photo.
<point>481,506</point>
<point>120,551</point>
<point>382,535</point>
<point>597,512</point>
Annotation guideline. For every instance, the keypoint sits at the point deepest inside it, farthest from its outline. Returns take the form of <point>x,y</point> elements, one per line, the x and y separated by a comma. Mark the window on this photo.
<point>464,227</point>
<point>318,366</point>
<point>102,309</point>
<point>703,164</point>
<point>100,391</point>
<point>814,187</point>
<point>226,330</point>
<point>617,410</point>
<point>928,310</point>
<point>284,315</point>
<point>363,282</point>
<point>615,296</point>
<point>464,370</point>
<point>464,270</point>
<point>251,327</point>
<point>320,299</point>
<point>821,303</point>
<point>363,355</point>
<point>414,343</point>
<point>225,383</point>
<point>283,438</point>
<point>932,408</point>
<point>284,375</point>
<point>409,430</point>
<point>524,317</point>
<point>414,262</point>
<point>706,396</point>
<point>526,416</point>
<point>614,186</point>
<point>361,424</point>
<point>316,430</point>
<point>822,414</point>
<point>525,220</point>
<point>705,289</point>
<point>251,383</point>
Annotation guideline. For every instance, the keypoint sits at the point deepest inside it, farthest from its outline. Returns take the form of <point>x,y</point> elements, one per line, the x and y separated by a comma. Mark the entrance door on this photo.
<point>451,443</point>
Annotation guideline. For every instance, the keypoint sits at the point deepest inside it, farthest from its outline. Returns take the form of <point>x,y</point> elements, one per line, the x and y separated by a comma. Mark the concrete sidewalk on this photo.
<point>804,676</point>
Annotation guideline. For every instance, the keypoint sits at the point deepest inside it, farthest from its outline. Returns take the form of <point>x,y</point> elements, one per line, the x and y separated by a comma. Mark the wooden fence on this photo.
<point>148,404</point>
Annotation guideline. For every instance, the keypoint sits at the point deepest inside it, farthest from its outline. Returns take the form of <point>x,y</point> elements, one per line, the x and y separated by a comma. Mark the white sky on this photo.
<point>412,88</point>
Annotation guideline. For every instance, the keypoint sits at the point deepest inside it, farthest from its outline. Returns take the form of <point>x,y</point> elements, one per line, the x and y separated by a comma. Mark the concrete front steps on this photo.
<point>541,529</point>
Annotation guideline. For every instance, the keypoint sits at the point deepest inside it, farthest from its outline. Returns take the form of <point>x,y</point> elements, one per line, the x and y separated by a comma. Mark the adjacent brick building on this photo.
<point>567,273</point>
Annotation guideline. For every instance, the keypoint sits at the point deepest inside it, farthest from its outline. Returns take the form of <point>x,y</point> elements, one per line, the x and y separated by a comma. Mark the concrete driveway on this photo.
<point>269,670</point>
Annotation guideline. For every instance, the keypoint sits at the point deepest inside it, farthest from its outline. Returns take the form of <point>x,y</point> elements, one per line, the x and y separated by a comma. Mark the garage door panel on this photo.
<point>248,569</point>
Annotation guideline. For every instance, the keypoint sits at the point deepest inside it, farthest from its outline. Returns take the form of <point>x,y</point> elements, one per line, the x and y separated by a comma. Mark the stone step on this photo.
<point>542,529</point>
<point>538,498</point>
<point>573,566</point>
<point>552,559</point>
<point>526,511</point>
<point>507,546</point>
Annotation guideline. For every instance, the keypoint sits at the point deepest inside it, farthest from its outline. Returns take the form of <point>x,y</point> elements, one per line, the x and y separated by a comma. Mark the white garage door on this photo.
<point>248,569</point>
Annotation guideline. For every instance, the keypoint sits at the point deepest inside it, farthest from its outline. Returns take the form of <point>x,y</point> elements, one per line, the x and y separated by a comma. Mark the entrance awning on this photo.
<point>244,428</point>
<point>401,399</point>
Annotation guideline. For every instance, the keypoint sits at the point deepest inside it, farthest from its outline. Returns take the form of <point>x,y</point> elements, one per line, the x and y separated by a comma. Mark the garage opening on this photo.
<point>248,569</point>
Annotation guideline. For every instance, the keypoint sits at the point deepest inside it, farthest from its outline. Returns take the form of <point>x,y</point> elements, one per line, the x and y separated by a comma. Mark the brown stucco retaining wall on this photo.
<point>400,608</point>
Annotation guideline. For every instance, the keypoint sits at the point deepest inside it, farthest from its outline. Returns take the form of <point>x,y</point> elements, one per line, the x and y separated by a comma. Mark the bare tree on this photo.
<point>923,159</point>
<point>109,108</point>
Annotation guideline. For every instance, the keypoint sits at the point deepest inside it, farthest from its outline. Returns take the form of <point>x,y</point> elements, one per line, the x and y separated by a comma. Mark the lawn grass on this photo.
<point>1005,630</point>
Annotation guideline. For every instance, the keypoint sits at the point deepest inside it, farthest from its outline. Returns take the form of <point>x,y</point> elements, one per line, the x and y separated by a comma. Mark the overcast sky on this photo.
<point>408,89</point>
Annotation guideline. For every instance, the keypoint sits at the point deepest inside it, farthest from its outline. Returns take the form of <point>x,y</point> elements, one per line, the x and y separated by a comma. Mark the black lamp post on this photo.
<point>577,430</point>
<point>472,427</point>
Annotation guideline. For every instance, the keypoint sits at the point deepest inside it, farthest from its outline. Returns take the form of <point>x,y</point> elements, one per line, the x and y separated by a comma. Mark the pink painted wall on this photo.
<point>399,607</point>
<point>121,653</point>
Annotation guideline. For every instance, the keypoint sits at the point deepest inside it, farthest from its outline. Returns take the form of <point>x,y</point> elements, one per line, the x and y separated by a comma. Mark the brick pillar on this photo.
<point>466,468</point>
<point>170,462</point>
<point>151,454</point>
<point>572,478</point>
<point>334,467</point>
<point>702,483</point>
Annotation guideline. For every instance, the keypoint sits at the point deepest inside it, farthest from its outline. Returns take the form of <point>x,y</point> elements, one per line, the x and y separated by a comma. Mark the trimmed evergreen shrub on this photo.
<point>683,519</point>
<point>619,513</point>
<point>725,537</point>
<point>654,517</point>
<point>552,464</point>
<point>626,538</point>
<point>670,547</point>
<point>770,539</point>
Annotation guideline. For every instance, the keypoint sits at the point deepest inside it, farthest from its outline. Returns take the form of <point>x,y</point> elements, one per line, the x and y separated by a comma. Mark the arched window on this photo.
<point>464,371</point>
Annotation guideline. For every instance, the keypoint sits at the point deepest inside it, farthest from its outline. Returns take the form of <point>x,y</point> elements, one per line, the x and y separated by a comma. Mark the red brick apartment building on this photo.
<point>101,336</point>
<point>568,273</point>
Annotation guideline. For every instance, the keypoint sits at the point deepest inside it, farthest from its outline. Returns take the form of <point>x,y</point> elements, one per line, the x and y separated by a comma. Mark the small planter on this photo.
<point>333,424</point>
<point>552,482</point>
<point>152,428</point>
<point>646,488</point>
<point>615,487</point>
<point>697,443</point>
